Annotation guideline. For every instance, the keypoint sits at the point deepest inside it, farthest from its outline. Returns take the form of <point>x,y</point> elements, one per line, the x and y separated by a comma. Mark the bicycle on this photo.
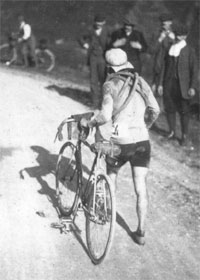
<point>96,198</point>
<point>10,55</point>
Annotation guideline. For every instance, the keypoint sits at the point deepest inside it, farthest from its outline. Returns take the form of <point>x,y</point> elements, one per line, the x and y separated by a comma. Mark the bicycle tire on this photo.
<point>44,59</point>
<point>101,221</point>
<point>5,53</point>
<point>67,179</point>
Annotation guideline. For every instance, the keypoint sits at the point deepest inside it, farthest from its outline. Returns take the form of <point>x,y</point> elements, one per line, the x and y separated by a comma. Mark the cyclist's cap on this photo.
<point>117,59</point>
<point>166,17</point>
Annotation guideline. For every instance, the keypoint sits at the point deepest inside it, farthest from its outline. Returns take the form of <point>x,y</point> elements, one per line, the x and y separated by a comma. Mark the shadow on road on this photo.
<point>155,128</point>
<point>47,164</point>
<point>6,152</point>
<point>75,94</point>
<point>120,220</point>
<point>76,232</point>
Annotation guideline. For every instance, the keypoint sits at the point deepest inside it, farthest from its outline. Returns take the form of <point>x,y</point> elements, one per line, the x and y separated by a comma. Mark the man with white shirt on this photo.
<point>126,98</point>
<point>178,82</point>
<point>27,39</point>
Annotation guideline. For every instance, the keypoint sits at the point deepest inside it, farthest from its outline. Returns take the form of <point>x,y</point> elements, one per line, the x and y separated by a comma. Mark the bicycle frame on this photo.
<point>85,192</point>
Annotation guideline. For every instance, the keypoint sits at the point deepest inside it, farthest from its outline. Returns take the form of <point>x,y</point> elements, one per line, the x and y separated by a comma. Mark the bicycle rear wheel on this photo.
<point>100,219</point>
<point>45,59</point>
<point>67,179</point>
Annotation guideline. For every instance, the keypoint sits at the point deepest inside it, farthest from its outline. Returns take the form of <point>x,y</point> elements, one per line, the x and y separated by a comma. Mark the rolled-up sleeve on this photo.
<point>105,113</point>
<point>152,106</point>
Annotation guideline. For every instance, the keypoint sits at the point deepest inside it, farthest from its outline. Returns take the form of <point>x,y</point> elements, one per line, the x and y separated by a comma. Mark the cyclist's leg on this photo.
<point>113,166</point>
<point>139,180</point>
<point>139,164</point>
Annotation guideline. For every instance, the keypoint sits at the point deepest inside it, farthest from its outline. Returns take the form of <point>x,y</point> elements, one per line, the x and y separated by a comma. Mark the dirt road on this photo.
<point>32,106</point>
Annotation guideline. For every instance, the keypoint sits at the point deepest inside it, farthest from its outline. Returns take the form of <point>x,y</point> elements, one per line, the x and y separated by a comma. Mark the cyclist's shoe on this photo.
<point>138,237</point>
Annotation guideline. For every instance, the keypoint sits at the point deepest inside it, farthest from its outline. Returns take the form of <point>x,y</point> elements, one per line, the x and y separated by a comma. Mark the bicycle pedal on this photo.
<point>67,228</point>
<point>57,225</point>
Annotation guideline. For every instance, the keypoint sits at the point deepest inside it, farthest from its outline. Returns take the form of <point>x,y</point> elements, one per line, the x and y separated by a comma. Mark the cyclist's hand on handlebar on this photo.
<point>84,122</point>
<point>87,123</point>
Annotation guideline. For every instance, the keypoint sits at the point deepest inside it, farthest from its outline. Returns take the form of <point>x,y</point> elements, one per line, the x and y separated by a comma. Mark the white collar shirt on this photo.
<point>26,30</point>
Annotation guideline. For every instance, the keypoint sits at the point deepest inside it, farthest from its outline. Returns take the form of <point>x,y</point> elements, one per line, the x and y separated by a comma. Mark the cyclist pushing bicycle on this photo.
<point>130,103</point>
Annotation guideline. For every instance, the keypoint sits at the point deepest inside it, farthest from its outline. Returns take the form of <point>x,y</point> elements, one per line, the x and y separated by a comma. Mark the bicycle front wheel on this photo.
<point>67,179</point>
<point>100,219</point>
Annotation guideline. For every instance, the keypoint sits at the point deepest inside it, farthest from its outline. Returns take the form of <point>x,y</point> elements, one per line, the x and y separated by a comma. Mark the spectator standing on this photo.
<point>163,42</point>
<point>97,42</point>
<point>28,41</point>
<point>178,82</point>
<point>131,41</point>
<point>126,97</point>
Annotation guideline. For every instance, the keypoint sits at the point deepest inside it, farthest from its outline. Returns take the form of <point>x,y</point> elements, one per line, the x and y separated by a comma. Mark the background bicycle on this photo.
<point>8,51</point>
<point>10,54</point>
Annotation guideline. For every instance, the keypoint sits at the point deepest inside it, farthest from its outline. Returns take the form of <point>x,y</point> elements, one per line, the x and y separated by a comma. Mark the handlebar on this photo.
<point>102,147</point>
<point>73,118</point>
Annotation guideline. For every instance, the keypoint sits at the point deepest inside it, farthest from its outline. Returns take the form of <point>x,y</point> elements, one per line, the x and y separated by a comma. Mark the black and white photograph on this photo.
<point>100,140</point>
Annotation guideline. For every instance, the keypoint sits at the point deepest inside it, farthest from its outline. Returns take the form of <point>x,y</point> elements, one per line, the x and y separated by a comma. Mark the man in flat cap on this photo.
<point>97,42</point>
<point>131,41</point>
<point>126,98</point>
<point>178,82</point>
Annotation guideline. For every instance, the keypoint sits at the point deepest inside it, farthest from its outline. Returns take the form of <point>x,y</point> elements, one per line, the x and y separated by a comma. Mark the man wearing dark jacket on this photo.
<point>163,42</point>
<point>97,42</point>
<point>178,82</point>
<point>131,41</point>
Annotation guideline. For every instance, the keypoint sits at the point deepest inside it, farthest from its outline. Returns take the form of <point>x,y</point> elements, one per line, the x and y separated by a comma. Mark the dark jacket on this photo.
<point>161,49</point>
<point>186,70</point>
<point>97,44</point>
<point>132,53</point>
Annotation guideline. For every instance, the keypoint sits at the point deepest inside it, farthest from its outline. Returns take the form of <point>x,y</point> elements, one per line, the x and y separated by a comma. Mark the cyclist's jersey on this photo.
<point>129,126</point>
